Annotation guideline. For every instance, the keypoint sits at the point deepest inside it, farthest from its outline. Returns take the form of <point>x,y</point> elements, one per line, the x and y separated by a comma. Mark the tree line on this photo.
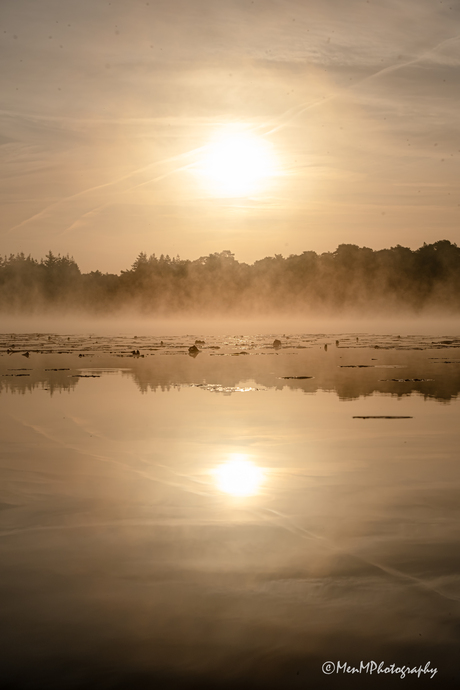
<point>351,278</point>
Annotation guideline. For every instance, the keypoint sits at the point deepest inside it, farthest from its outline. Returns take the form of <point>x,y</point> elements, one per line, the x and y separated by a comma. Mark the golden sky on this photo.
<point>192,126</point>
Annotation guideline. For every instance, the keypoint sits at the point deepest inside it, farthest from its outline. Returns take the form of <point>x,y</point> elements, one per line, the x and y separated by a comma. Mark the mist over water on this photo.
<point>132,324</point>
<point>352,282</point>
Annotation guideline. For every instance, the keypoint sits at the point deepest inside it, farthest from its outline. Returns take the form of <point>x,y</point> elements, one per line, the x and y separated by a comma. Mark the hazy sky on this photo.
<point>111,109</point>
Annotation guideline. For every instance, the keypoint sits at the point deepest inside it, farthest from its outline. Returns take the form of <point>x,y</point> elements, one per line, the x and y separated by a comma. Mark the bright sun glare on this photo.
<point>238,165</point>
<point>239,477</point>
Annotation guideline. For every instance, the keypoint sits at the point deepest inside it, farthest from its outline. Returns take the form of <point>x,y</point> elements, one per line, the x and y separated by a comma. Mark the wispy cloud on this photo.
<point>102,103</point>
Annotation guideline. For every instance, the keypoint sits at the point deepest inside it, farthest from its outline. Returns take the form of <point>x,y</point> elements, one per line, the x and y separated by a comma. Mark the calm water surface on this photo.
<point>233,519</point>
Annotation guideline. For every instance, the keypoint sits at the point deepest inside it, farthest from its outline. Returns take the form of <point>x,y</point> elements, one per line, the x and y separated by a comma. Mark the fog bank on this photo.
<point>352,281</point>
<point>221,326</point>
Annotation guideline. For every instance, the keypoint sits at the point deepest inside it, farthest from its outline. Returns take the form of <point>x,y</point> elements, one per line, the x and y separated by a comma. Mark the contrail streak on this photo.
<point>109,460</point>
<point>101,186</point>
<point>300,109</point>
<point>300,531</point>
<point>276,124</point>
<point>108,203</point>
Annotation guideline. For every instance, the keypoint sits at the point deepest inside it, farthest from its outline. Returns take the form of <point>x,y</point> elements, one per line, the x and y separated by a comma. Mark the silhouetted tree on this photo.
<point>351,277</point>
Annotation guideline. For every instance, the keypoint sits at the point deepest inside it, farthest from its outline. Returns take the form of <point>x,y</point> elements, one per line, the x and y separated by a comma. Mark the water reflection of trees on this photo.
<point>347,386</point>
<point>352,367</point>
<point>20,384</point>
<point>350,277</point>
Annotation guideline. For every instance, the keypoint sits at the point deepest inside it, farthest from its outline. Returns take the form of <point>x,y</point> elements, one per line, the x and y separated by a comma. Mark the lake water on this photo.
<point>231,519</point>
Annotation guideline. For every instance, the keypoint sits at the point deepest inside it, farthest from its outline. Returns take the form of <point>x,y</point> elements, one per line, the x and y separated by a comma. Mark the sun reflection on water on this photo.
<point>239,477</point>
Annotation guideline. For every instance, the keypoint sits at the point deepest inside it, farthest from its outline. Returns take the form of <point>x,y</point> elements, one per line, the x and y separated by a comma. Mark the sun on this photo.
<point>237,165</point>
<point>239,477</point>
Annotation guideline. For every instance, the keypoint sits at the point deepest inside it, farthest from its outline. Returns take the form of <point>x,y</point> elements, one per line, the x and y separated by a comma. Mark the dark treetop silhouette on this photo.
<point>351,278</point>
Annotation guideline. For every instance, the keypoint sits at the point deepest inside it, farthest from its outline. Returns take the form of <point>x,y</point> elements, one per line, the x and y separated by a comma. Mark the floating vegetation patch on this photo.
<point>382,416</point>
<point>406,380</point>
<point>227,390</point>
<point>356,366</point>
